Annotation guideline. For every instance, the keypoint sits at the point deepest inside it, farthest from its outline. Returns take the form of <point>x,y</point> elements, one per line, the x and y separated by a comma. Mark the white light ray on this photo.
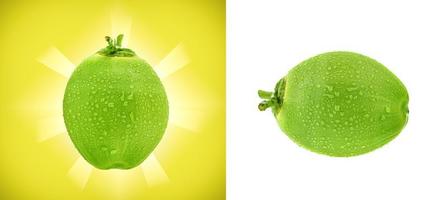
<point>153,171</point>
<point>57,62</point>
<point>174,61</point>
<point>181,117</point>
<point>80,172</point>
<point>121,24</point>
<point>50,127</point>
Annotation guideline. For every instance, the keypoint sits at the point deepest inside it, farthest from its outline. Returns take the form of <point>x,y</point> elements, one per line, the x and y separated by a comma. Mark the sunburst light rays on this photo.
<point>174,61</point>
<point>56,61</point>
<point>154,173</point>
<point>185,111</point>
<point>50,127</point>
<point>188,106</point>
<point>121,24</point>
<point>80,172</point>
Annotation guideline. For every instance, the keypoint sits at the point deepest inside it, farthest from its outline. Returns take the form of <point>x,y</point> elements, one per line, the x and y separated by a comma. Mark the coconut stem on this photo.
<point>265,94</point>
<point>269,100</point>
<point>265,104</point>
<point>114,48</point>
<point>272,100</point>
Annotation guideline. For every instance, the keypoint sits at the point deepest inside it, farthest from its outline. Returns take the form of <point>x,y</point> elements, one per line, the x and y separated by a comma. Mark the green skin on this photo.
<point>339,104</point>
<point>115,108</point>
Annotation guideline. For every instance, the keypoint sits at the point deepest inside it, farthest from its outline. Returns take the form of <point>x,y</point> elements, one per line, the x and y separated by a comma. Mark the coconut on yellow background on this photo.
<point>43,42</point>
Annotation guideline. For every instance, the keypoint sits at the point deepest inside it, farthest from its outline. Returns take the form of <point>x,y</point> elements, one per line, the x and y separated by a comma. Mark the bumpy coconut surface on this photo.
<point>339,104</point>
<point>115,108</point>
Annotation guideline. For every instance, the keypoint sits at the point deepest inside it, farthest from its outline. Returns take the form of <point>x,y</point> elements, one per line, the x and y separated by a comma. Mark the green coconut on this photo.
<point>115,108</point>
<point>339,104</point>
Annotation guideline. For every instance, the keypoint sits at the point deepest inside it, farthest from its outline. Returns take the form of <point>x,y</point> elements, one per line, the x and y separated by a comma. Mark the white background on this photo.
<point>267,38</point>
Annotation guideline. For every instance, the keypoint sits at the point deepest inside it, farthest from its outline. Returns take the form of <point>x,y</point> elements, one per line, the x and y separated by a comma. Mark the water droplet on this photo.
<point>131,86</point>
<point>110,104</point>
<point>329,95</point>
<point>132,117</point>
<point>122,96</point>
<point>387,109</point>
<point>130,97</point>
<point>382,117</point>
<point>113,151</point>
<point>330,88</point>
<point>104,148</point>
<point>350,89</point>
<point>337,108</point>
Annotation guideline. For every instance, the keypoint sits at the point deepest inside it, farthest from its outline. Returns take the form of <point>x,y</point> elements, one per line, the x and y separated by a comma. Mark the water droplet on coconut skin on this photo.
<point>387,109</point>
<point>337,108</point>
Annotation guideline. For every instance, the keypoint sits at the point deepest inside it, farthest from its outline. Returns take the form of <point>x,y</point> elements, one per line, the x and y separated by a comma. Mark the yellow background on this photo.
<point>193,158</point>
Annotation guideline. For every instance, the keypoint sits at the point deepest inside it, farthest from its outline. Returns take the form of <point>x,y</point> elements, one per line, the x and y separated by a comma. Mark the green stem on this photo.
<point>109,41</point>
<point>265,94</point>
<point>265,104</point>
<point>273,100</point>
<point>114,48</point>
<point>119,40</point>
